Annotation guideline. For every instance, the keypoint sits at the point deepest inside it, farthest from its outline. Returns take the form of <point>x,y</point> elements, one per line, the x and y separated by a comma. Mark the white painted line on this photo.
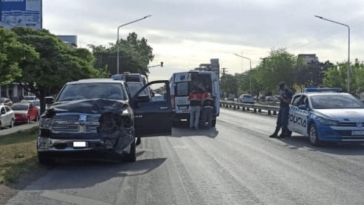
<point>70,198</point>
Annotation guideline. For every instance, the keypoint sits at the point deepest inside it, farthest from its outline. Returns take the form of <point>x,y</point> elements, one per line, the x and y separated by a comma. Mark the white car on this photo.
<point>29,98</point>
<point>246,98</point>
<point>7,116</point>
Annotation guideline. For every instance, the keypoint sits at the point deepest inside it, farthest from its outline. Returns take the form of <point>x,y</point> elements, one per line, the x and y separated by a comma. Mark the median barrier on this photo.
<point>246,107</point>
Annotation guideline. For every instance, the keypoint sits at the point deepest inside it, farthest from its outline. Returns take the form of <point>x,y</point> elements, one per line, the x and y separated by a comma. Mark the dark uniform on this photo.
<point>283,114</point>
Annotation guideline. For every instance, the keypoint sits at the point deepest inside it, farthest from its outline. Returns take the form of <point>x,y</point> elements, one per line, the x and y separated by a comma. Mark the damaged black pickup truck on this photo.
<point>99,119</point>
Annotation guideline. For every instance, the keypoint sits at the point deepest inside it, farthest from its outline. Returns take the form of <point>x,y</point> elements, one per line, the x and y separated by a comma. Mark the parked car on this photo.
<point>36,103</point>
<point>327,117</point>
<point>7,117</point>
<point>25,112</point>
<point>5,101</point>
<point>99,119</point>
<point>29,98</point>
<point>246,98</point>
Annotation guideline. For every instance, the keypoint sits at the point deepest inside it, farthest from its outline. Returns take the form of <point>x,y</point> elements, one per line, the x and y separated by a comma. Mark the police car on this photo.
<point>327,115</point>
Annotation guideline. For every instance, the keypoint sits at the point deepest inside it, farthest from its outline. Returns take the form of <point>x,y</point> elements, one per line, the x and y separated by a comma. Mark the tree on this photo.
<point>58,63</point>
<point>278,66</point>
<point>134,55</point>
<point>336,76</point>
<point>229,84</point>
<point>13,53</point>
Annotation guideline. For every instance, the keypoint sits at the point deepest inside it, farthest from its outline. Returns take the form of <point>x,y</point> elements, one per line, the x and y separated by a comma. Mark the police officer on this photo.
<point>283,114</point>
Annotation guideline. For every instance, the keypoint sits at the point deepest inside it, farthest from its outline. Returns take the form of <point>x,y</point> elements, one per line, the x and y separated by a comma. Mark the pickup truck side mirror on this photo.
<point>49,100</point>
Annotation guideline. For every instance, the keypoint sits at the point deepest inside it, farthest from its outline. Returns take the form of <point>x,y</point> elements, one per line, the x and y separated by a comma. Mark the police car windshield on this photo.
<point>82,91</point>
<point>335,102</point>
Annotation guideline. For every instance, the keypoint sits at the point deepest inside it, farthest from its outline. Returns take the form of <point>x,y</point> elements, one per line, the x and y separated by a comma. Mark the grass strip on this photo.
<point>18,154</point>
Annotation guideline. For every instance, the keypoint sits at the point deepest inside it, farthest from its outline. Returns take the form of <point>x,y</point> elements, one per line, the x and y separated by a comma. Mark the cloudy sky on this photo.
<point>184,34</point>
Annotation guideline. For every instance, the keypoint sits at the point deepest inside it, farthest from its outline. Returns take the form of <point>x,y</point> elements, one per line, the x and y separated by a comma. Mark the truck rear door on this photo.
<point>181,92</point>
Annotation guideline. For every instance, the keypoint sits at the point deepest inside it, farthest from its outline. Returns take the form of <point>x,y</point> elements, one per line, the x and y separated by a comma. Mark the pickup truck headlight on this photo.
<point>45,123</point>
<point>324,121</point>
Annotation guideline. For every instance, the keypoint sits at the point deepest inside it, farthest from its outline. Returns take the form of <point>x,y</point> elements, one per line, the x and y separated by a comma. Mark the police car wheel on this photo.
<point>313,135</point>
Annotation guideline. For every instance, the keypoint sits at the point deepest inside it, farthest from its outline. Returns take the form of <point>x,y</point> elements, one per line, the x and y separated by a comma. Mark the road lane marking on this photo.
<point>71,199</point>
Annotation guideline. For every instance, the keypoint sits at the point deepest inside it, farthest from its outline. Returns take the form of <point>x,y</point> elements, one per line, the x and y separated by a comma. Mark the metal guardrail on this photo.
<point>246,107</point>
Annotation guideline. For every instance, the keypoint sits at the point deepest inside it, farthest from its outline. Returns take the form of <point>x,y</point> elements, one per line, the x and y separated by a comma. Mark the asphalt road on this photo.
<point>236,163</point>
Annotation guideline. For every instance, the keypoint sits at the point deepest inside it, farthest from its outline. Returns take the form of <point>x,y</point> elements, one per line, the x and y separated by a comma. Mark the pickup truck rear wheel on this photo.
<point>213,124</point>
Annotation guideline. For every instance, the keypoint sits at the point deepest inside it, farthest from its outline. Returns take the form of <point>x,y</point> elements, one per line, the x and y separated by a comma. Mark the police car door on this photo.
<point>298,115</point>
<point>153,117</point>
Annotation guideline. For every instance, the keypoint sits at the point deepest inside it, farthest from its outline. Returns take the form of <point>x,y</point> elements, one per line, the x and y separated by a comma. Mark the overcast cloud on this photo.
<point>186,33</point>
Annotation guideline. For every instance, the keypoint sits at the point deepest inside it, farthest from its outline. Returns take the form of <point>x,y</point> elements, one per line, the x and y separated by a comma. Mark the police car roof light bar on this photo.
<point>311,90</point>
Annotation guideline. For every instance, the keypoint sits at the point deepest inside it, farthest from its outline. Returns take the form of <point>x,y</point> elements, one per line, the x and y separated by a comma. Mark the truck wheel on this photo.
<point>131,156</point>
<point>46,161</point>
<point>213,124</point>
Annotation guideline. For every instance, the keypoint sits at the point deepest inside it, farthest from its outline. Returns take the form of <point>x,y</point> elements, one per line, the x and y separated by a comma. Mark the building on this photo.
<point>69,40</point>
<point>213,66</point>
<point>308,58</point>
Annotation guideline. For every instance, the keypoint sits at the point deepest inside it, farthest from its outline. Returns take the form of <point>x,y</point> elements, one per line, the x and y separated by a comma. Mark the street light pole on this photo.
<point>348,74</point>
<point>117,40</point>
<point>250,77</point>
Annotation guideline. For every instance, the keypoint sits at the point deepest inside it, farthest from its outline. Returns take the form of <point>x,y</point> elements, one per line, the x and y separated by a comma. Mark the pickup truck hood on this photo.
<point>92,106</point>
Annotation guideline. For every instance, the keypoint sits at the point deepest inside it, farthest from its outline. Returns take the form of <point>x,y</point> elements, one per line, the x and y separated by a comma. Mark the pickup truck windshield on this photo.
<point>89,91</point>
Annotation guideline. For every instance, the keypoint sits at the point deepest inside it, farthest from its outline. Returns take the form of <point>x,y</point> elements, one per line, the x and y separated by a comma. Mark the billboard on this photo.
<point>26,13</point>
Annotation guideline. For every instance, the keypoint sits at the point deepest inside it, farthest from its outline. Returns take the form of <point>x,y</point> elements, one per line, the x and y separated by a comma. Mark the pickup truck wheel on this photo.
<point>314,140</point>
<point>213,124</point>
<point>46,161</point>
<point>131,156</point>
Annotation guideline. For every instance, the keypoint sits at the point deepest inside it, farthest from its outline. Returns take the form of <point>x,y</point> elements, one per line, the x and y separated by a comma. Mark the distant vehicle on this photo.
<point>246,98</point>
<point>29,98</point>
<point>135,86</point>
<point>131,77</point>
<point>157,97</point>
<point>261,98</point>
<point>181,84</point>
<point>231,97</point>
<point>36,103</point>
<point>5,101</point>
<point>327,117</point>
<point>25,112</point>
<point>269,99</point>
<point>7,116</point>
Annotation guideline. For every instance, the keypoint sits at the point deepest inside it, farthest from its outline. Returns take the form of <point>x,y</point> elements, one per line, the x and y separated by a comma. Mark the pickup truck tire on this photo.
<point>131,156</point>
<point>46,161</point>
<point>213,124</point>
